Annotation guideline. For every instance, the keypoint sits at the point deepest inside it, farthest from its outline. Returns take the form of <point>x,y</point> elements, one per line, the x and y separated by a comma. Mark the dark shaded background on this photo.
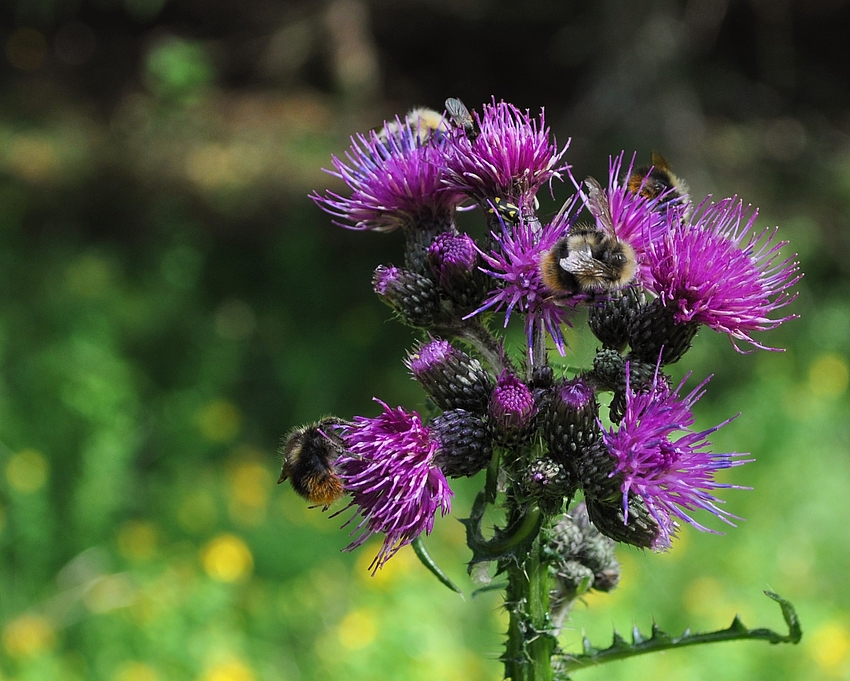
<point>171,302</point>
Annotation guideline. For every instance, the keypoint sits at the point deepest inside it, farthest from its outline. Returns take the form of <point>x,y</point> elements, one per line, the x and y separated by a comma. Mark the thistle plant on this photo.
<point>577,460</point>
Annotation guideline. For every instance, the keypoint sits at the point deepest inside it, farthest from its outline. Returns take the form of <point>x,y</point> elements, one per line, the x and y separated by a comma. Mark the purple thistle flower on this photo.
<point>512,156</point>
<point>397,180</point>
<point>716,271</point>
<point>388,467</point>
<point>671,477</point>
<point>515,263</point>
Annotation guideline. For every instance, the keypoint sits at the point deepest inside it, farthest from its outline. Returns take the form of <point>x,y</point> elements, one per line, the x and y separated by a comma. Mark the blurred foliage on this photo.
<point>171,303</point>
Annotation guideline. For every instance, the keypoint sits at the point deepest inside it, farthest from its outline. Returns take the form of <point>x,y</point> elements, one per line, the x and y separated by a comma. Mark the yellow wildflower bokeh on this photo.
<point>357,629</point>
<point>135,671</point>
<point>27,471</point>
<point>228,670</point>
<point>830,649</point>
<point>219,421</point>
<point>828,376</point>
<point>137,539</point>
<point>227,559</point>
<point>28,635</point>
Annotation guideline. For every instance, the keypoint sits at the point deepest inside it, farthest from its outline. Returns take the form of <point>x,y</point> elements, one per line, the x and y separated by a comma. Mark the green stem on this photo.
<point>474,332</point>
<point>530,645</point>
<point>510,542</point>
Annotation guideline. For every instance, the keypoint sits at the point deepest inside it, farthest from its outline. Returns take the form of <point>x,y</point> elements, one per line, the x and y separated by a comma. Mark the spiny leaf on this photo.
<point>660,640</point>
<point>737,624</point>
<point>637,637</point>
<point>795,631</point>
<point>510,542</point>
<point>618,642</point>
<point>495,586</point>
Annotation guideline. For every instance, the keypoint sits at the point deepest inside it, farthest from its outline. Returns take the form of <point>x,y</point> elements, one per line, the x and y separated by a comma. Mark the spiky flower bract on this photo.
<point>717,271</point>
<point>388,468</point>
<point>515,264</point>
<point>672,477</point>
<point>396,181</point>
<point>512,156</point>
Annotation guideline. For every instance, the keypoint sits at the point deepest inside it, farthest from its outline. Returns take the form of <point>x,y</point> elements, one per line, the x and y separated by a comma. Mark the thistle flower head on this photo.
<point>453,379</point>
<point>452,256</point>
<point>577,394</point>
<point>717,271</point>
<point>512,156</point>
<point>388,468</point>
<point>396,181</point>
<point>515,264</point>
<point>512,405</point>
<point>569,423</point>
<point>672,477</point>
<point>413,296</point>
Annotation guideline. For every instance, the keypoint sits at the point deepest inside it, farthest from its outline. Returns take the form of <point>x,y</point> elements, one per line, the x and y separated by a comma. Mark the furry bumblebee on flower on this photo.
<point>577,460</point>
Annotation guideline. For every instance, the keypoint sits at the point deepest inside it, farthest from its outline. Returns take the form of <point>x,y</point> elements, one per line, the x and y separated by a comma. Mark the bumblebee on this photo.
<point>425,123</point>
<point>657,180</point>
<point>462,118</point>
<point>590,258</point>
<point>309,453</point>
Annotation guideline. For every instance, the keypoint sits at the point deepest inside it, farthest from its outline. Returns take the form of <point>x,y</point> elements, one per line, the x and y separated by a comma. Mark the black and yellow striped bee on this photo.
<point>590,258</point>
<point>425,123</point>
<point>657,180</point>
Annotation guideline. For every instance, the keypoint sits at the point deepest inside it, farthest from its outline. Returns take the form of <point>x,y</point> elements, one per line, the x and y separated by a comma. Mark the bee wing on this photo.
<point>658,161</point>
<point>597,204</point>
<point>582,264</point>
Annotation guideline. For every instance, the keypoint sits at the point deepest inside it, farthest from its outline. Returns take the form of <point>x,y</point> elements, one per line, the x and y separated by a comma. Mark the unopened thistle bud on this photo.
<point>654,332</point>
<point>639,529</point>
<point>609,369</point>
<point>642,377</point>
<point>581,558</point>
<point>419,239</point>
<point>454,260</point>
<point>453,379</point>
<point>609,318</point>
<point>595,468</point>
<point>550,482</point>
<point>575,539</point>
<point>512,410</point>
<point>413,296</point>
<point>569,422</point>
<point>466,446</point>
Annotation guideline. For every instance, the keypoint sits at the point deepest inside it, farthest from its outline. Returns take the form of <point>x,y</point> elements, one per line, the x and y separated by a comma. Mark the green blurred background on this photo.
<point>171,303</point>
